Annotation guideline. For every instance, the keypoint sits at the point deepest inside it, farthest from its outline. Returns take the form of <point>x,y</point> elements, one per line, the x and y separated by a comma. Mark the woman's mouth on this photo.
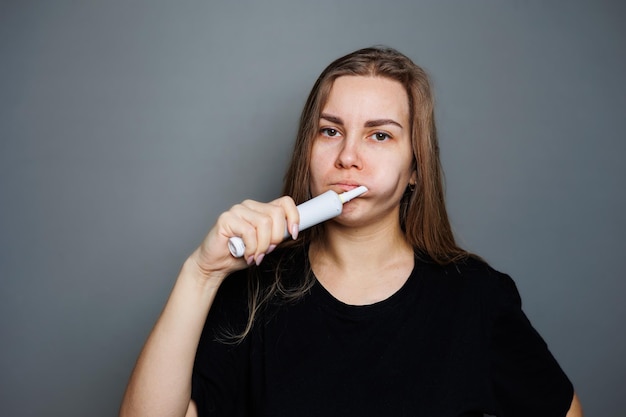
<point>346,186</point>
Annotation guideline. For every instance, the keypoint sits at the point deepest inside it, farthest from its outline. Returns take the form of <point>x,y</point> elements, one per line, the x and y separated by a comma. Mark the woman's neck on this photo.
<point>361,265</point>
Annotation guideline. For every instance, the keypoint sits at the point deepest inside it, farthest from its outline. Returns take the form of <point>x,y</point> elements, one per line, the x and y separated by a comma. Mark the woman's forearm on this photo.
<point>160,384</point>
<point>575,409</point>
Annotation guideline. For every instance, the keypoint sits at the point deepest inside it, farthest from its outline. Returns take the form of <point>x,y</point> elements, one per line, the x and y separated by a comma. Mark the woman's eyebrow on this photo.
<point>369,123</point>
<point>331,118</point>
<point>382,122</point>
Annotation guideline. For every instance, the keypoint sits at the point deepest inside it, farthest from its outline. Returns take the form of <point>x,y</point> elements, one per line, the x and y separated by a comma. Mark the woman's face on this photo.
<point>364,138</point>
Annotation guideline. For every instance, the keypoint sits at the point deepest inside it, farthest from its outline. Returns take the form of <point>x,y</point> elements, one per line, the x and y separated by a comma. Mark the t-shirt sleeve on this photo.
<point>527,380</point>
<point>218,379</point>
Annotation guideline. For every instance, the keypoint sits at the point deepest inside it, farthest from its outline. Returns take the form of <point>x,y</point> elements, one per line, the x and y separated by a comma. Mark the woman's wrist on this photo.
<point>204,278</point>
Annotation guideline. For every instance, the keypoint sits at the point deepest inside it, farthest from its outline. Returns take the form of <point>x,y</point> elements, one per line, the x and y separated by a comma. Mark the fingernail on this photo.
<point>294,231</point>
<point>259,259</point>
<point>270,249</point>
<point>250,260</point>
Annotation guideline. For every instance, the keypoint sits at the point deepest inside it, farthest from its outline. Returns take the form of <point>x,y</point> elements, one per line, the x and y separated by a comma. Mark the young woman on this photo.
<point>376,312</point>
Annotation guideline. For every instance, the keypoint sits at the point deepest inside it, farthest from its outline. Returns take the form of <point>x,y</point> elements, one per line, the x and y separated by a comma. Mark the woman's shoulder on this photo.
<point>467,266</point>
<point>470,273</point>
<point>469,287</point>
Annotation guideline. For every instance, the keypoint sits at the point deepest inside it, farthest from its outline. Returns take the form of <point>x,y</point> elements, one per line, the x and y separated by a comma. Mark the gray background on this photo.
<point>127,126</point>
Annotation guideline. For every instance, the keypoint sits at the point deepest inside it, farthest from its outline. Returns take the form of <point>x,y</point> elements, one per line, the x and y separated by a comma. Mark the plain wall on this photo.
<point>126,127</point>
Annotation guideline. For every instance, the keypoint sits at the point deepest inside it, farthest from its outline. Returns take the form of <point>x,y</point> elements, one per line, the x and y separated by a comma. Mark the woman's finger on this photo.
<point>291,214</point>
<point>263,227</point>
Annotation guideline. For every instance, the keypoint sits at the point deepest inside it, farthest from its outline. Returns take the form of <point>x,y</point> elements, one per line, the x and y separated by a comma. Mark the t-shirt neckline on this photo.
<point>404,294</point>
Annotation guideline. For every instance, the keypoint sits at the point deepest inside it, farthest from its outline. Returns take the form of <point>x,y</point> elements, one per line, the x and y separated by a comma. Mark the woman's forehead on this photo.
<point>367,97</point>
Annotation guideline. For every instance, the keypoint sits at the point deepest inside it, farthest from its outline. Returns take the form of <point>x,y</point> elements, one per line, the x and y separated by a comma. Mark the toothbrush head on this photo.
<point>354,193</point>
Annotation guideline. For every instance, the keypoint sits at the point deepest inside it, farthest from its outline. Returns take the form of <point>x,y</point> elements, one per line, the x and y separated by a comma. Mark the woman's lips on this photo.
<point>346,186</point>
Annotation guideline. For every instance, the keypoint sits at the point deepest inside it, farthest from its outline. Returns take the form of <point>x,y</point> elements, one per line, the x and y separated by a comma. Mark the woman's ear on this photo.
<point>412,181</point>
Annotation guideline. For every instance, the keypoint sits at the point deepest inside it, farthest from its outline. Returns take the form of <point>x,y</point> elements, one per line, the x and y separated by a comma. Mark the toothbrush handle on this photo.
<point>314,211</point>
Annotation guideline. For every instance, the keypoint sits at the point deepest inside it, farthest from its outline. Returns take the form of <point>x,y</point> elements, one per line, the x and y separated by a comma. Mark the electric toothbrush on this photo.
<point>314,211</point>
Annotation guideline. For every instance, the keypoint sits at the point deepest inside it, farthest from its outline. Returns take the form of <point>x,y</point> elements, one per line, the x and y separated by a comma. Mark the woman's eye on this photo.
<point>380,136</point>
<point>329,132</point>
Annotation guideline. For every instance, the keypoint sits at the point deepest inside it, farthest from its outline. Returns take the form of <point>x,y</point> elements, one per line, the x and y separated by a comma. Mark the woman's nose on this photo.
<point>349,155</point>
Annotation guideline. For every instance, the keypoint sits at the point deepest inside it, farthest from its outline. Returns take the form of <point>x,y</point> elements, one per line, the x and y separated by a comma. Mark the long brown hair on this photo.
<point>423,215</point>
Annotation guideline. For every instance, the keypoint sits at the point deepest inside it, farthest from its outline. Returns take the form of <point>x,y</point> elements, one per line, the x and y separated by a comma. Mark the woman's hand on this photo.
<point>260,225</point>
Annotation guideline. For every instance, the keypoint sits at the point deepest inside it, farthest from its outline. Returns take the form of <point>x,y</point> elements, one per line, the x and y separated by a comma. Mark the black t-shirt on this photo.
<point>453,341</point>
